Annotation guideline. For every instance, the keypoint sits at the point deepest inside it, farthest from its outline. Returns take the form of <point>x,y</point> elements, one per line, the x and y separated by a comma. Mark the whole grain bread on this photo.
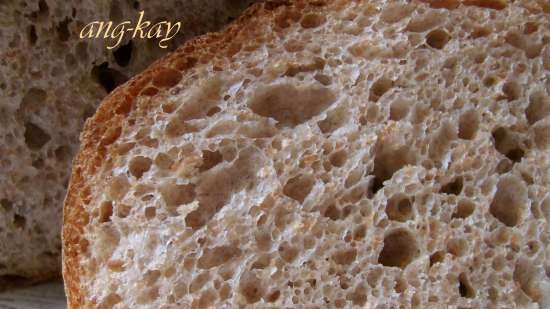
<point>50,82</point>
<point>324,154</point>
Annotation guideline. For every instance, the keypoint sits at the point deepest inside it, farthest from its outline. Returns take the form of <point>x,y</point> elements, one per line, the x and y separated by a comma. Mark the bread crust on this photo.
<point>103,129</point>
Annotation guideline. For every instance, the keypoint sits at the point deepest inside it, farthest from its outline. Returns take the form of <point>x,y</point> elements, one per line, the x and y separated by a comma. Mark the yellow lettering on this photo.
<point>106,25</point>
<point>169,34</point>
<point>118,33</point>
<point>140,26</point>
<point>155,31</point>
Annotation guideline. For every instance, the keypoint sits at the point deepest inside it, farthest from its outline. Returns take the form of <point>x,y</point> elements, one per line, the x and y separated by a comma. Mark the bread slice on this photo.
<point>324,154</point>
<point>50,82</point>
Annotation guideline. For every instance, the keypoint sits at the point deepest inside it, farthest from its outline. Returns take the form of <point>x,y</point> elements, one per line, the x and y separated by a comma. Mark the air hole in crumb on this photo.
<point>325,80</point>
<point>291,105</point>
<point>353,177</point>
<point>150,212</point>
<point>457,246</point>
<point>379,88</point>
<point>251,287</point>
<point>38,163</point>
<point>288,252</point>
<point>105,211</point>
<point>33,99</point>
<point>263,240</point>
<point>199,281</point>
<point>393,13</point>
<point>62,153</point>
<point>490,81</point>
<point>512,90</point>
<point>437,38</point>
<point>6,204</point>
<point>480,31</point>
<point>399,208</point>
<point>504,166</point>
<point>123,54</point>
<point>359,296</point>
<point>293,45</point>
<point>334,120</point>
<point>400,249</point>
<point>139,165</point>
<point>399,109</point>
<point>360,232</point>
<point>123,211</point>
<point>376,185</point>
<point>542,134</point>
<point>149,91</point>
<point>400,285</point>
<point>454,187</point>
<point>338,158</point>
<point>437,257</point>
<point>489,4</point>
<point>110,301</point>
<point>164,161</point>
<point>210,159</point>
<point>425,22</point>
<point>226,180</point>
<point>441,140</point>
<point>175,194</point>
<point>116,266</point>
<point>169,107</point>
<point>333,212</point>
<point>217,256</point>
<point>166,77</point>
<point>464,209</point>
<point>539,107</point>
<point>214,110</point>
<point>63,30</point>
<point>32,35</point>
<point>298,187</point>
<point>108,78</point>
<point>507,144</point>
<point>515,154</point>
<point>526,275</point>
<point>35,137</point>
<point>19,221</point>
<point>312,20</point>
<point>195,108</point>
<point>468,124</point>
<point>389,159</point>
<point>465,287</point>
<point>118,187</point>
<point>273,296</point>
<point>261,262</point>
<point>509,201</point>
<point>345,256</point>
<point>177,127</point>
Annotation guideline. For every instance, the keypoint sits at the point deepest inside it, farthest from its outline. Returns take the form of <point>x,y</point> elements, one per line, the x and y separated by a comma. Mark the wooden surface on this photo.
<point>43,296</point>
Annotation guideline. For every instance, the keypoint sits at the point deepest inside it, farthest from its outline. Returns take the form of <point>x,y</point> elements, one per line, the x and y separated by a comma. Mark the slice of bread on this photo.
<point>50,82</point>
<point>324,154</point>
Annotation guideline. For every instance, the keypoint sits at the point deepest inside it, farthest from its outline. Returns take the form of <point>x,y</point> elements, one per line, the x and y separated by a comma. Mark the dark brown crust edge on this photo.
<point>104,128</point>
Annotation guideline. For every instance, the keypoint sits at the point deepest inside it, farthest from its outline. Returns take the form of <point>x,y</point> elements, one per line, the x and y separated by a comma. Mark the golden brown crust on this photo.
<point>104,128</point>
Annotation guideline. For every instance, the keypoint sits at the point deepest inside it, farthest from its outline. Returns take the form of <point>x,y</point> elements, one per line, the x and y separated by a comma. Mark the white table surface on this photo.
<point>43,296</point>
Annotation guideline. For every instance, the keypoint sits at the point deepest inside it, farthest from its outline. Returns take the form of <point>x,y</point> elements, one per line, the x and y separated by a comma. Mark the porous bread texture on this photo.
<point>324,154</point>
<point>50,82</point>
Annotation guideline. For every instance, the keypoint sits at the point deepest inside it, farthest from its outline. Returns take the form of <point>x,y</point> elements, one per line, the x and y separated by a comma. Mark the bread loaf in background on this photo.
<point>324,154</point>
<point>50,82</point>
